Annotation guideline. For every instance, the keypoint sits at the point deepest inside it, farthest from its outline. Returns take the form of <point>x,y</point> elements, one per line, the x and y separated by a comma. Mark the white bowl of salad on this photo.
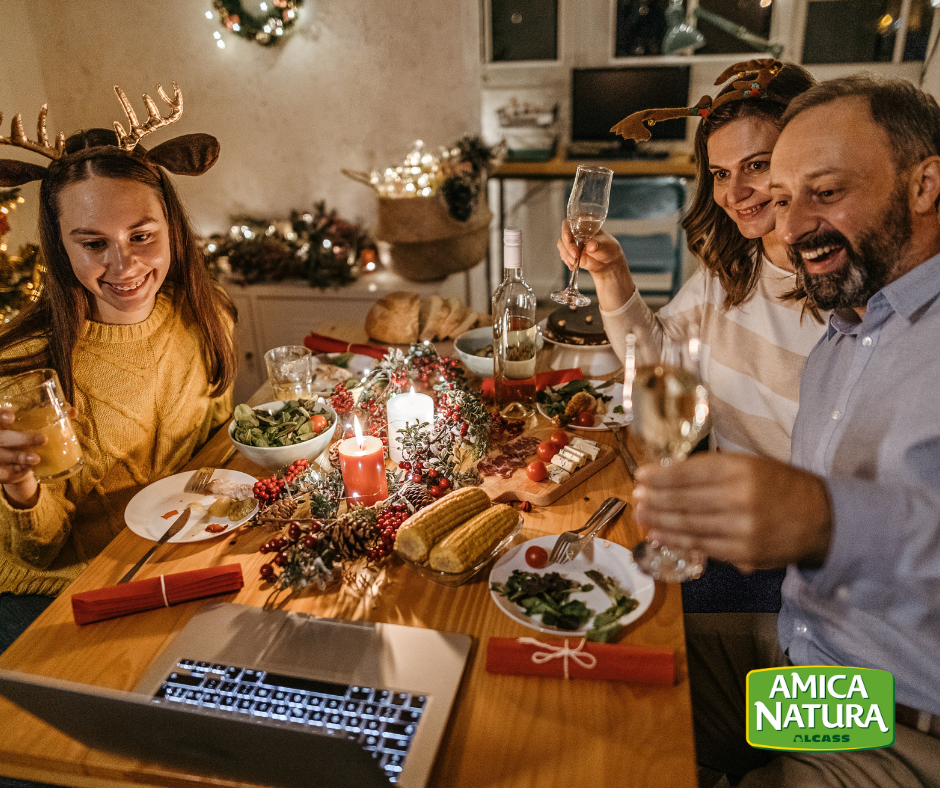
<point>278,433</point>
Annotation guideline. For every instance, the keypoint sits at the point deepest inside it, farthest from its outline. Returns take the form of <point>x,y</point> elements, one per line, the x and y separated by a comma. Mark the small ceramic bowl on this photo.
<point>279,456</point>
<point>468,343</point>
<point>594,360</point>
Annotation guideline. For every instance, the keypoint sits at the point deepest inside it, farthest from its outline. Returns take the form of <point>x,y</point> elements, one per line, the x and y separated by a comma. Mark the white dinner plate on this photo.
<point>603,423</point>
<point>144,514</point>
<point>608,558</point>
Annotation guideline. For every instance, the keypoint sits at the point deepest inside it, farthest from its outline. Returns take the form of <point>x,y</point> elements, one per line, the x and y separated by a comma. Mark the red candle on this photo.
<point>362,462</point>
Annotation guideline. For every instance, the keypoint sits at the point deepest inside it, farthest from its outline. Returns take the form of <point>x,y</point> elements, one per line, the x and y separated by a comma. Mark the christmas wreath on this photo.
<point>276,19</point>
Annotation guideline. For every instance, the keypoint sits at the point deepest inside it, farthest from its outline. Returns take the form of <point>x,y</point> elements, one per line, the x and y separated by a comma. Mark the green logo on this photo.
<point>820,708</point>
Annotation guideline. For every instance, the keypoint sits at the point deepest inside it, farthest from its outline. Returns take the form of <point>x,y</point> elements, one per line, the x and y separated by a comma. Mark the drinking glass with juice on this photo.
<point>36,399</point>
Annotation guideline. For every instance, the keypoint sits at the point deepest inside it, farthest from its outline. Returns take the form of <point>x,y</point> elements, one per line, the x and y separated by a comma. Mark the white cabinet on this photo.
<point>283,313</point>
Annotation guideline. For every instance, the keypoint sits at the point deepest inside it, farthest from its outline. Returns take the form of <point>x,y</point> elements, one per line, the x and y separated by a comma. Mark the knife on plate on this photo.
<point>172,531</point>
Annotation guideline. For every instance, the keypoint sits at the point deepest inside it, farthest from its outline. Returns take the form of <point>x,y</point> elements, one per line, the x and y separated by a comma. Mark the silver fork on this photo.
<point>565,539</point>
<point>574,548</point>
<point>199,481</point>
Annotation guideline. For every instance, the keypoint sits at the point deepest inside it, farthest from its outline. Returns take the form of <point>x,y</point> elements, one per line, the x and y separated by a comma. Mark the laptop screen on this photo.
<point>602,97</point>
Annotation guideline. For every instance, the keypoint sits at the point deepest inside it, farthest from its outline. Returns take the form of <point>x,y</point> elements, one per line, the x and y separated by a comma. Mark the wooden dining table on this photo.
<point>504,731</point>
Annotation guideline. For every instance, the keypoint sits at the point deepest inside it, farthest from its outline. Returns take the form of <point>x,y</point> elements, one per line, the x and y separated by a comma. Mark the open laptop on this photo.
<point>273,697</point>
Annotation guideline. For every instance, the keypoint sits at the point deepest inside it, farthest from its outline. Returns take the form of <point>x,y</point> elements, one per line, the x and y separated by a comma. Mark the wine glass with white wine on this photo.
<point>587,210</point>
<point>669,409</point>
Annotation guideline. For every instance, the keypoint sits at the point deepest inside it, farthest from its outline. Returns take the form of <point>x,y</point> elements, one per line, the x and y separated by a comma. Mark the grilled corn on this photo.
<point>462,548</point>
<point>420,531</point>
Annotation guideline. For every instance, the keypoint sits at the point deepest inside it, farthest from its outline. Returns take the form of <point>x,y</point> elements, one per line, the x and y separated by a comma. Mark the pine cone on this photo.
<point>334,455</point>
<point>354,532</point>
<point>281,509</point>
<point>417,495</point>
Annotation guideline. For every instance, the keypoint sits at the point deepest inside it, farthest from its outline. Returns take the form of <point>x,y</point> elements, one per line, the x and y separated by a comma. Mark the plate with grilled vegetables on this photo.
<point>593,596</point>
<point>583,404</point>
<point>451,540</point>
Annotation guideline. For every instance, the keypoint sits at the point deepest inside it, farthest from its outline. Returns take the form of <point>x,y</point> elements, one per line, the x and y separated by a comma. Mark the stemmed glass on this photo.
<point>668,411</point>
<point>587,210</point>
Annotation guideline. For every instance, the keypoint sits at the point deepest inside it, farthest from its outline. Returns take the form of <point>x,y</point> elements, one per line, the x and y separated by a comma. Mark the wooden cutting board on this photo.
<point>519,487</point>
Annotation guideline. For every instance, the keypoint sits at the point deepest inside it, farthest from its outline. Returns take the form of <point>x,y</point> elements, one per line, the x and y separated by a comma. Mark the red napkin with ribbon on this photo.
<point>320,343</point>
<point>162,591</point>
<point>579,659</point>
<point>543,380</point>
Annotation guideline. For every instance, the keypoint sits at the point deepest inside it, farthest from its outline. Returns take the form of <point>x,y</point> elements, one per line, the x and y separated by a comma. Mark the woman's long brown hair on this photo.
<point>60,312</point>
<point>712,235</point>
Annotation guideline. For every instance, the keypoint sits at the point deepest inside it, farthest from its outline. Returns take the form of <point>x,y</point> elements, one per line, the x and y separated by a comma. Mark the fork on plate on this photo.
<point>574,548</point>
<point>199,481</point>
<point>560,550</point>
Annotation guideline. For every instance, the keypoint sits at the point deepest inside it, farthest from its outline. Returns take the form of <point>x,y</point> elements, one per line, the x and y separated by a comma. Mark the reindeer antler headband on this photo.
<point>190,154</point>
<point>750,80</point>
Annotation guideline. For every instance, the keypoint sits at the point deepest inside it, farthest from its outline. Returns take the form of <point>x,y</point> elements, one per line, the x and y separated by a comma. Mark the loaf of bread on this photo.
<point>394,318</point>
<point>402,318</point>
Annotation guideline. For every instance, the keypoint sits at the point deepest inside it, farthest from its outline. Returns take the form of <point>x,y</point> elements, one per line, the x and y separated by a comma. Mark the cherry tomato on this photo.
<point>318,422</point>
<point>536,557</point>
<point>560,438</point>
<point>546,451</point>
<point>537,471</point>
<point>585,419</point>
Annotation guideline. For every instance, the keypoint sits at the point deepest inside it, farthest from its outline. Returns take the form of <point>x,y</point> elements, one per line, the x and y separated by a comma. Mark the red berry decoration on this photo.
<point>267,571</point>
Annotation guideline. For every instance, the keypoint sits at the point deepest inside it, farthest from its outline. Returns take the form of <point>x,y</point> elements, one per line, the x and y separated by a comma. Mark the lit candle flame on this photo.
<point>358,430</point>
<point>412,392</point>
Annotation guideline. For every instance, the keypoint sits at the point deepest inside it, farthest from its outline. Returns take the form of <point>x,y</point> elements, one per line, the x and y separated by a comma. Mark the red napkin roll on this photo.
<point>581,660</point>
<point>320,343</point>
<point>543,380</point>
<point>162,591</point>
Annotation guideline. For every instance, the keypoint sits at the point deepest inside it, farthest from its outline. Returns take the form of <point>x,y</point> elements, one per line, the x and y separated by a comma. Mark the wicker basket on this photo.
<point>426,242</point>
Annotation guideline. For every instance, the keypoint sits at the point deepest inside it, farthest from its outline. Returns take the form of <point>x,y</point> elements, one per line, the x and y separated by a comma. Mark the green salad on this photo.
<point>548,596</point>
<point>296,422</point>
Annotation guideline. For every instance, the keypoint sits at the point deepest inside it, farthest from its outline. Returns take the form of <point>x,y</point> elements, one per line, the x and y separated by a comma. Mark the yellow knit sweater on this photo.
<point>145,408</point>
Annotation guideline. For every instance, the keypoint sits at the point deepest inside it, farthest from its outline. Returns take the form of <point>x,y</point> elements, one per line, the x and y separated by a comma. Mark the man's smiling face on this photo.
<point>841,205</point>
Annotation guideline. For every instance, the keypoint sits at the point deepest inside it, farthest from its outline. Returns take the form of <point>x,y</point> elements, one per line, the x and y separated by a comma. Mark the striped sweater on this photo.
<point>752,354</point>
<point>144,404</point>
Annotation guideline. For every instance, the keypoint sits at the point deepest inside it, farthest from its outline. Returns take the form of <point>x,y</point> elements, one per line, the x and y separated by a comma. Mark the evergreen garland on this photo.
<point>317,246</point>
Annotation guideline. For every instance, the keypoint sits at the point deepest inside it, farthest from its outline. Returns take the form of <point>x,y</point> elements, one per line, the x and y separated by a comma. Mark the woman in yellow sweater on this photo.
<point>142,342</point>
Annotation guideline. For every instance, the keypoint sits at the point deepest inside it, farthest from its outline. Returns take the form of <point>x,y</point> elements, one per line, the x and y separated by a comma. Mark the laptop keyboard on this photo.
<point>382,721</point>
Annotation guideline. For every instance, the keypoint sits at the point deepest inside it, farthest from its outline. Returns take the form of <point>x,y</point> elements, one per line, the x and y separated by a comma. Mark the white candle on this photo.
<point>402,411</point>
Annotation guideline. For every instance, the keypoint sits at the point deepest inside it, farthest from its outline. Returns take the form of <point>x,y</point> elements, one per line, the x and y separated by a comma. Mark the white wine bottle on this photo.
<point>515,334</point>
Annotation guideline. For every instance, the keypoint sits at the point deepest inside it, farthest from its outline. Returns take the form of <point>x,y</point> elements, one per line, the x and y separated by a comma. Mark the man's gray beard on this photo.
<point>866,270</point>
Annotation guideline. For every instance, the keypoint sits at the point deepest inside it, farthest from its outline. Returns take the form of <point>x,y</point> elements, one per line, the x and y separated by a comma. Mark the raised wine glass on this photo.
<point>587,210</point>
<point>668,411</point>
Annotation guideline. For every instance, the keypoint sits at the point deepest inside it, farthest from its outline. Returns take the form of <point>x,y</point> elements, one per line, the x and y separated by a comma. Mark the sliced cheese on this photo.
<point>556,474</point>
<point>575,454</point>
<point>569,455</point>
<point>563,462</point>
<point>590,448</point>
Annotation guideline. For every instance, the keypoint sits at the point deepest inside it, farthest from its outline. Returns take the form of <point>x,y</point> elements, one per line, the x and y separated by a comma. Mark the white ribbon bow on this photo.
<point>585,660</point>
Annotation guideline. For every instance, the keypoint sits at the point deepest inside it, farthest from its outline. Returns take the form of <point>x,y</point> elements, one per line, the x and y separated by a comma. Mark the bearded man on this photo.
<point>855,179</point>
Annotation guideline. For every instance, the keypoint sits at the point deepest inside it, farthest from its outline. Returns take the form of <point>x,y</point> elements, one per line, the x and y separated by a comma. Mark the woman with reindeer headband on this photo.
<point>751,316</point>
<point>139,335</point>
<point>755,323</point>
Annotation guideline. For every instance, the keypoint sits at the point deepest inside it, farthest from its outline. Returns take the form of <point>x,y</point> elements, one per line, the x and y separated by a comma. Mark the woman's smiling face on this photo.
<point>117,238</point>
<point>739,161</point>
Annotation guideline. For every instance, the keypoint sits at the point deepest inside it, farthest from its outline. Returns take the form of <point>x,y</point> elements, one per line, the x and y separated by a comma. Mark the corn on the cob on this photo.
<point>419,532</point>
<point>461,549</point>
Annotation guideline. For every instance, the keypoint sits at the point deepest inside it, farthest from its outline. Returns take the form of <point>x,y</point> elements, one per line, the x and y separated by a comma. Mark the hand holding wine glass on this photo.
<point>587,210</point>
<point>668,407</point>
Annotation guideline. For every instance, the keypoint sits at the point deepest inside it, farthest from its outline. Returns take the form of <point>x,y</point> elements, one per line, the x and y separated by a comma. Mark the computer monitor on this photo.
<point>602,97</point>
